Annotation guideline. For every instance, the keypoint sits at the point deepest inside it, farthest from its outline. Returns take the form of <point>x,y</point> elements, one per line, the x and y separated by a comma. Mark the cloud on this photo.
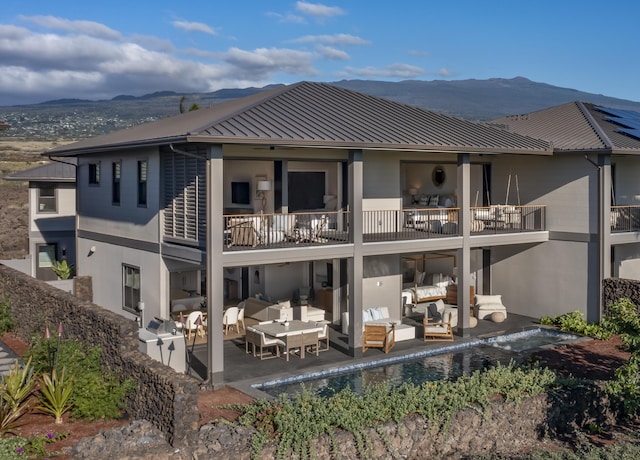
<point>418,53</point>
<point>93,29</point>
<point>391,71</point>
<point>264,62</point>
<point>43,66</point>
<point>194,27</point>
<point>334,54</point>
<point>319,10</point>
<point>444,72</point>
<point>336,39</point>
<point>287,18</point>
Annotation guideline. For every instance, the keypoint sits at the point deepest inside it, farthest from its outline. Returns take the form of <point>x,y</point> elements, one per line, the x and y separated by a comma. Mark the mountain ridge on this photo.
<point>472,99</point>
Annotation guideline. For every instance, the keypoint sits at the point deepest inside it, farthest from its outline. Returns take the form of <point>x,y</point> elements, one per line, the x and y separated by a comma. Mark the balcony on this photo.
<point>270,231</point>
<point>625,219</point>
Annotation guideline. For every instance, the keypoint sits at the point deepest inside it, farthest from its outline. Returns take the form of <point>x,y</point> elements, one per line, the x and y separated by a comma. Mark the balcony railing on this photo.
<point>507,219</point>
<point>625,219</point>
<point>262,231</point>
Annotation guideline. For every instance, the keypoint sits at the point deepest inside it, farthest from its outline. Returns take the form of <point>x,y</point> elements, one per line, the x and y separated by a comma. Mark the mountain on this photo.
<point>477,100</point>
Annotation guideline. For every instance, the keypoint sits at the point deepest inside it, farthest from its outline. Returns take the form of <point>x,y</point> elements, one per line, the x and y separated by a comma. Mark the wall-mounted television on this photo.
<point>241,193</point>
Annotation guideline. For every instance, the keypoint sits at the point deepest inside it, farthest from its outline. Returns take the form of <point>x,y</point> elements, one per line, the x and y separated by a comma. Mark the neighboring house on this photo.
<point>52,215</point>
<point>595,220</point>
<point>314,187</point>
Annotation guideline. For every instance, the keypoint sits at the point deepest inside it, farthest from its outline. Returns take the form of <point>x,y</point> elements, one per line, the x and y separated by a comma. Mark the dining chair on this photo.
<point>241,315</point>
<point>323,336</point>
<point>259,343</point>
<point>193,324</point>
<point>230,319</point>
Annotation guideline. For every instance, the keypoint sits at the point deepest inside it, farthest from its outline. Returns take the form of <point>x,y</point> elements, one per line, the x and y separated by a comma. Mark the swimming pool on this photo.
<point>428,365</point>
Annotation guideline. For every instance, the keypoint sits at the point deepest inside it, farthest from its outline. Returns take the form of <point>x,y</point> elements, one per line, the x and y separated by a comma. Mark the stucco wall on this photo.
<point>167,399</point>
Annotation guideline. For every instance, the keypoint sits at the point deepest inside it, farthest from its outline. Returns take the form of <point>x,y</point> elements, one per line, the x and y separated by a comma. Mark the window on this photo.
<point>94,173</point>
<point>142,183</point>
<point>130,288</point>
<point>47,199</point>
<point>115,183</point>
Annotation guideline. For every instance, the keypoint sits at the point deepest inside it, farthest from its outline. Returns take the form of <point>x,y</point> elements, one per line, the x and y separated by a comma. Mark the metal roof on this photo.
<point>310,114</point>
<point>50,172</point>
<point>575,126</point>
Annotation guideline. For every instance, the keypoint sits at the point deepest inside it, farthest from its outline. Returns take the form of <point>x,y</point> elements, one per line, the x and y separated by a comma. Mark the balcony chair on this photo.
<point>438,331</point>
<point>241,316</point>
<point>378,336</point>
<point>243,232</point>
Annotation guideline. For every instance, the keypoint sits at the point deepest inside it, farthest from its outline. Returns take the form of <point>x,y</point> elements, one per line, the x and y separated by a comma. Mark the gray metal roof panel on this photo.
<point>574,126</point>
<point>50,172</point>
<point>318,114</point>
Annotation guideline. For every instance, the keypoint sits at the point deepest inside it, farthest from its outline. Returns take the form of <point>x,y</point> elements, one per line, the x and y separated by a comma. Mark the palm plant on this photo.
<point>15,389</point>
<point>55,394</point>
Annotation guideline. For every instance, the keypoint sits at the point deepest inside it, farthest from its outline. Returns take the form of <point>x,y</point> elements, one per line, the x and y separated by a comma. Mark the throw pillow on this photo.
<point>486,299</point>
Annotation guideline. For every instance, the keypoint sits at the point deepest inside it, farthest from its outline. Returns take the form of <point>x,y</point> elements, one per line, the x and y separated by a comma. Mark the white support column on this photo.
<point>604,224</point>
<point>463,258</point>
<point>355,264</point>
<point>215,270</point>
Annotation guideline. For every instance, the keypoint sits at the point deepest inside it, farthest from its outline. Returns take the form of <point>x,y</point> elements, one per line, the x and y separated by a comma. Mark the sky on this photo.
<point>51,49</point>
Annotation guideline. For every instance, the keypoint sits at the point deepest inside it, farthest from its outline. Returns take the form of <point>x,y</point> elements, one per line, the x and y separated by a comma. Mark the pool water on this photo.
<point>446,363</point>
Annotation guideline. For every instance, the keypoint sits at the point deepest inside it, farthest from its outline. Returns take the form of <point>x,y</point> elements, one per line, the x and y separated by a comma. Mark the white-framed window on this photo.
<point>130,288</point>
<point>47,199</point>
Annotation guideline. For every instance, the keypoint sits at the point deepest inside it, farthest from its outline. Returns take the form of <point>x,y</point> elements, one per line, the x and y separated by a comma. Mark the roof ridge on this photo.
<point>595,125</point>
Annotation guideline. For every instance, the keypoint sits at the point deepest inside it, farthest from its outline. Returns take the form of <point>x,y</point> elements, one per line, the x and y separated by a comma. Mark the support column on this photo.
<point>215,270</point>
<point>604,227</point>
<point>463,258</point>
<point>355,264</point>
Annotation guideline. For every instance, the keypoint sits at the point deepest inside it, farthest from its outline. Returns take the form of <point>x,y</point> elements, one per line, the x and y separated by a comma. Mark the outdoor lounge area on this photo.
<point>242,369</point>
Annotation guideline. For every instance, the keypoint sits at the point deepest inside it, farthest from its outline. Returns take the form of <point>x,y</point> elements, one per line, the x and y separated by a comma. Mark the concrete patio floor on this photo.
<point>242,370</point>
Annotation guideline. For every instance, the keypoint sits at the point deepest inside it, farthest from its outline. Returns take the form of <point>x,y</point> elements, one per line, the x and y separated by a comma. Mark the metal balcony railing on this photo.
<point>625,219</point>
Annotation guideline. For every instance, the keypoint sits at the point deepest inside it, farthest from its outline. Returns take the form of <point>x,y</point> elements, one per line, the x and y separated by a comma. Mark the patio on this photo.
<point>242,370</point>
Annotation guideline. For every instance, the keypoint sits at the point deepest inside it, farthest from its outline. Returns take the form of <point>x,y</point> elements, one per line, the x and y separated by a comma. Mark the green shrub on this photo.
<point>293,423</point>
<point>96,392</point>
<point>63,270</point>
<point>6,320</point>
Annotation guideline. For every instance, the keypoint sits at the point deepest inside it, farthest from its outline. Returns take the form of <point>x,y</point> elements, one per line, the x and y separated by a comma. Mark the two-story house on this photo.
<point>314,187</point>
<point>52,215</point>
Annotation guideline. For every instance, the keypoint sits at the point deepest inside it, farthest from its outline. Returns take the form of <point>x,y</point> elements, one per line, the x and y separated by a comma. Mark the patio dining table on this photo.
<point>278,329</point>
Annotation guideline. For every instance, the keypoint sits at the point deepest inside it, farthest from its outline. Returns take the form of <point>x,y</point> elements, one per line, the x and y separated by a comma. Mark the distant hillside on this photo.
<point>478,100</point>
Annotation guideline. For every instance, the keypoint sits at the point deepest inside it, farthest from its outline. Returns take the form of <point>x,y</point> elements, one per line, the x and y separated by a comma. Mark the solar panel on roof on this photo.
<point>628,119</point>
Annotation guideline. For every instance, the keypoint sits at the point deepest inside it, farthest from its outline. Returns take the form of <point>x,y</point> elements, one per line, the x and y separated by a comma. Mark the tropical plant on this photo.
<point>63,270</point>
<point>15,389</point>
<point>192,107</point>
<point>55,394</point>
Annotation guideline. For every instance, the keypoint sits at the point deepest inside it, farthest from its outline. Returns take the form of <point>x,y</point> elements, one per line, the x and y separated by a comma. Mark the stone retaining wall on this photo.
<point>618,288</point>
<point>167,399</point>
<point>501,428</point>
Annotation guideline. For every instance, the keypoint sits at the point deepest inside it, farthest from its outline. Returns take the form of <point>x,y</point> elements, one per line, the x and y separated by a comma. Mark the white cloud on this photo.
<point>194,27</point>
<point>319,10</point>
<point>443,72</point>
<point>264,62</point>
<point>287,18</point>
<point>391,71</point>
<point>334,54</point>
<point>336,39</point>
<point>93,29</point>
